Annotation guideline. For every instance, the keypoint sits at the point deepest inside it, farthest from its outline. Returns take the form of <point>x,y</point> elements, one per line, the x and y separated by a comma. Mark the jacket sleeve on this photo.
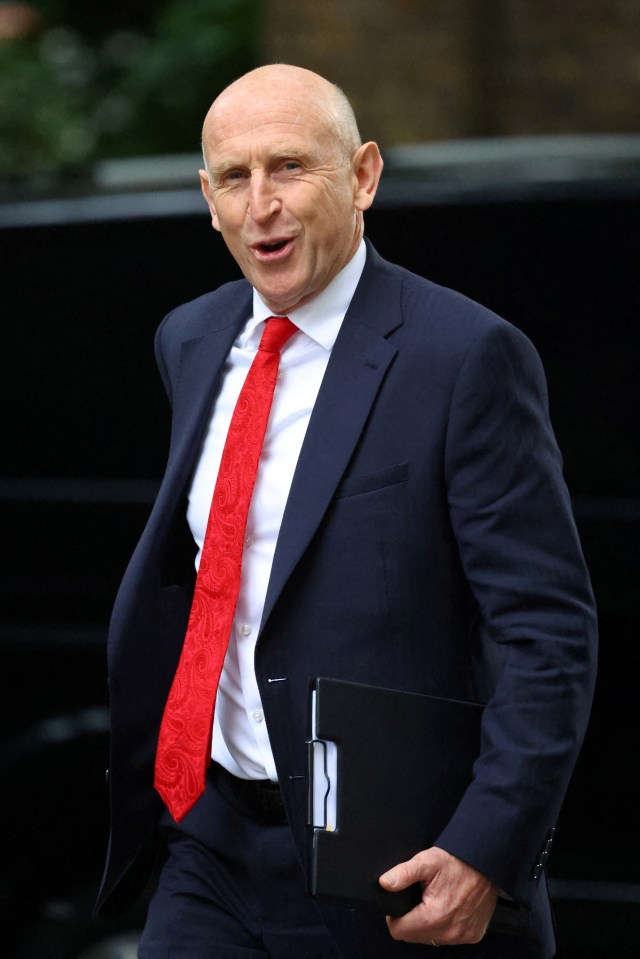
<point>519,547</point>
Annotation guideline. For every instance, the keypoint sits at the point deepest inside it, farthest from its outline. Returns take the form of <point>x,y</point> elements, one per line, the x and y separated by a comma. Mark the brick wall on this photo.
<point>439,69</point>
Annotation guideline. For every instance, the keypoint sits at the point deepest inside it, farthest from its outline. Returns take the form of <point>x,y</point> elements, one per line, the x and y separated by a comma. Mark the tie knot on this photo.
<point>277,331</point>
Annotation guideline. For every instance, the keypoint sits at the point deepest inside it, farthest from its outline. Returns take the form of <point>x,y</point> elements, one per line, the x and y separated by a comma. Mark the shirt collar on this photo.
<point>320,318</point>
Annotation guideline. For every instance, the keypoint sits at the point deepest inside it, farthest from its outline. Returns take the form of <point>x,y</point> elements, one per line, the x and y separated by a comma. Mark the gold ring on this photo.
<point>434,943</point>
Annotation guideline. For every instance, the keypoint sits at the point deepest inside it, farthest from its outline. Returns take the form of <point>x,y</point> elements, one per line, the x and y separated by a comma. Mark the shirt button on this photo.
<point>245,630</point>
<point>248,541</point>
<point>280,376</point>
<point>257,715</point>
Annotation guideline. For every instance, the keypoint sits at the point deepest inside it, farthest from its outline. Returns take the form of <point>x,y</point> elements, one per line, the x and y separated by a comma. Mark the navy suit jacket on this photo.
<point>427,544</point>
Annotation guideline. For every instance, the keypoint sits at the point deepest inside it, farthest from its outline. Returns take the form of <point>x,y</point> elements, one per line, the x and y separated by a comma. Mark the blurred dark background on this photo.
<point>512,174</point>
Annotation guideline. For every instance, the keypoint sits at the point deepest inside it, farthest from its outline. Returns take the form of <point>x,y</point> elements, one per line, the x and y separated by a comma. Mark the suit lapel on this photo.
<point>201,363</point>
<point>358,364</point>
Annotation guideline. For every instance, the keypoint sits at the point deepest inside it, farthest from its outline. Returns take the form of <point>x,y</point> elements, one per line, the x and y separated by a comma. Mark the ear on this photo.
<point>367,167</point>
<point>206,192</point>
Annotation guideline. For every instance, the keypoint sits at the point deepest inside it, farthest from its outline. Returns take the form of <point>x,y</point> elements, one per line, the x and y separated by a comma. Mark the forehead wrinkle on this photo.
<point>296,135</point>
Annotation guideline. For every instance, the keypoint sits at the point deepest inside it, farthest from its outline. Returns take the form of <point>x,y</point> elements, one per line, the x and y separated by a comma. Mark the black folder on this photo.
<point>403,762</point>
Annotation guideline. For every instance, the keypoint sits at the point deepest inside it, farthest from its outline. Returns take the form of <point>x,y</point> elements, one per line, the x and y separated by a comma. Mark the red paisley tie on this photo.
<point>184,744</point>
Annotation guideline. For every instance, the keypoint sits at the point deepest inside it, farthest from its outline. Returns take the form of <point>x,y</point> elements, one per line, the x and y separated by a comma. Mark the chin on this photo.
<point>280,301</point>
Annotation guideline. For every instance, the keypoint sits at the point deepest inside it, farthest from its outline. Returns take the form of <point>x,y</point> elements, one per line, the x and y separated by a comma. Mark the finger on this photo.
<point>418,869</point>
<point>416,926</point>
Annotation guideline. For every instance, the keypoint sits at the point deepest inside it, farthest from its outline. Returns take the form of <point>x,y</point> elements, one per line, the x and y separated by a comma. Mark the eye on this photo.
<point>290,166</point>
<point>232,176</point>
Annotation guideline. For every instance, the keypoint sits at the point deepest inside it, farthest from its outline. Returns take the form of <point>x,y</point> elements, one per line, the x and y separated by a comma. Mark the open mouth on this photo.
<point>272,251</point>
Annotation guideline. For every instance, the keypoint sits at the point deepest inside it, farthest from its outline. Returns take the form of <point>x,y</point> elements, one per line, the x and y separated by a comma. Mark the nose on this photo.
<point>263,201</point>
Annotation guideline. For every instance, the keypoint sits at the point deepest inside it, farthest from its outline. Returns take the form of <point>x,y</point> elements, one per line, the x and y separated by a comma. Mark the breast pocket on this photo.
<point>358,483</point>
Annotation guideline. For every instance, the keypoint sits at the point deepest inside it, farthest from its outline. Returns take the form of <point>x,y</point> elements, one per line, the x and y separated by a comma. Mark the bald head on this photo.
<point>269,86</point>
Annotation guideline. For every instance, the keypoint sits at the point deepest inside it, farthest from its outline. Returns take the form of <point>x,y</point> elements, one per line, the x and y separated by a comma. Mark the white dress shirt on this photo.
<point>240,735</point>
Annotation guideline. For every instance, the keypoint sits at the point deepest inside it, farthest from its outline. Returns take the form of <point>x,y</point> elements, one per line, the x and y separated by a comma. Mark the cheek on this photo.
<point>318,208</point>
<point>231,234</point>
<point>336,214</point>
<point>229,213</point>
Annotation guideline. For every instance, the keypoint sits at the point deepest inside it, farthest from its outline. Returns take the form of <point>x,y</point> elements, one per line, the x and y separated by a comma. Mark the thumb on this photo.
<point>418,869</point>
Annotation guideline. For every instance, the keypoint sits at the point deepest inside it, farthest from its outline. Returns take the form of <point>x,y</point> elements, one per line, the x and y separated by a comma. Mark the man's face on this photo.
<point>279,192</point>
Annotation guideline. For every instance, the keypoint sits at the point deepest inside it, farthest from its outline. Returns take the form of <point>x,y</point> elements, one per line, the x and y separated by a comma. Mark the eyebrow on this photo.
<point>285,152</point>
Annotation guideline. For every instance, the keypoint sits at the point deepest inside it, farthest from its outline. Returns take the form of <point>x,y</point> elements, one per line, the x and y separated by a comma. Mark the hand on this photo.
<point>457,900</point>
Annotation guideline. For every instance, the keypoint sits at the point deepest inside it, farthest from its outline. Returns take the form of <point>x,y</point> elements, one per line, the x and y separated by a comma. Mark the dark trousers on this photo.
<point>232,887</point>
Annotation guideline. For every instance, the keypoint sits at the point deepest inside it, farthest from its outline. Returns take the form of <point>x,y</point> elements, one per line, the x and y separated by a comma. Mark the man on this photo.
<point>409,527</point>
